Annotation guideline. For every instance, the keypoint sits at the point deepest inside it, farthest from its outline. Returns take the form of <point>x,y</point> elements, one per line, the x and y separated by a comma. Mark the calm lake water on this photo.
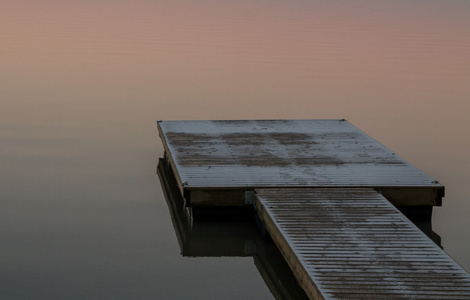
<point>82,211</point>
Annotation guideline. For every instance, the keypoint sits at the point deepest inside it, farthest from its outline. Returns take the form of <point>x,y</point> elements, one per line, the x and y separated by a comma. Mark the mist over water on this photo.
<point>83,214</point>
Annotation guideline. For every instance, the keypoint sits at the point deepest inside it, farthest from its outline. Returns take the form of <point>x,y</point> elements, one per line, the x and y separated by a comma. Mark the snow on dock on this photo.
<point>216,162</point>
<point>354,244</point>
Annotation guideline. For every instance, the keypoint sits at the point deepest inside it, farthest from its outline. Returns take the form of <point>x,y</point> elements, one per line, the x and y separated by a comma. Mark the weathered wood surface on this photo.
<point>243,155</point>
<point>353,244</point>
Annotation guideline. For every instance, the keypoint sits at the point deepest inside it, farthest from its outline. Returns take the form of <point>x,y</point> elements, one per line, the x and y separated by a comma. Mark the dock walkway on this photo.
<point>353,244</point>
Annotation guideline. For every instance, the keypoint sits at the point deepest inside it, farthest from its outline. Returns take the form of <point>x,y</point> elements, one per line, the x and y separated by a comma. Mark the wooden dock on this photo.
<point>354,244</point>
<point>216,162</point>
<point>329,195</point>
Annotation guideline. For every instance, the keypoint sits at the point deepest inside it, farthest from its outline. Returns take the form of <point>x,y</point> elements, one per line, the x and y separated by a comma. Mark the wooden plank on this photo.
<point>421,196</point>
<point>169,157</point>
<point>216,198</point>
<point>244,155</point>
<point>354,244</point>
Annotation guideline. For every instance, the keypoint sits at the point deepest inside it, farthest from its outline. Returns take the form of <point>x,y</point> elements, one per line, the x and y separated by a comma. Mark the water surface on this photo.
<point>82,211</point>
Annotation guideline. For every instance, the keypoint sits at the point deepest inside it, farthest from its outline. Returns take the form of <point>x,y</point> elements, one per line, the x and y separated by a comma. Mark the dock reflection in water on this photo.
<point>203,233</point>
<point>233,237</point>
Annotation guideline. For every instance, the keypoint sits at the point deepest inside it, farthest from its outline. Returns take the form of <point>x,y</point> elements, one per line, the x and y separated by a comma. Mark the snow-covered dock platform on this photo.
<point>354,244</point>
<point>217,162</point>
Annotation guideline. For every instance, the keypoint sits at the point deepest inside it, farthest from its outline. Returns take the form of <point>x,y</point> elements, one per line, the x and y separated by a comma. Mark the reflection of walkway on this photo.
<point>229,238</point>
